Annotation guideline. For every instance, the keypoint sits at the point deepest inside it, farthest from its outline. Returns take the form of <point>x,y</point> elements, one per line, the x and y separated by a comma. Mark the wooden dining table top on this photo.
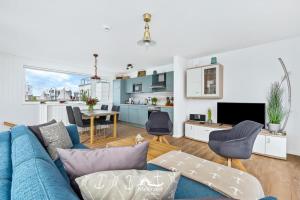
<point>98,112</point>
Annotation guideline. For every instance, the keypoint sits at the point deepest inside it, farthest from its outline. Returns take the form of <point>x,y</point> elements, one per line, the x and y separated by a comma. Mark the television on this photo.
<point>234,113</point>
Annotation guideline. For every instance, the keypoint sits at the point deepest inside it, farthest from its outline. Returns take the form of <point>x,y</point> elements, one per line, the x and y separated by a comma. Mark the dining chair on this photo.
<point>80,122</point>
<point>70,114</point>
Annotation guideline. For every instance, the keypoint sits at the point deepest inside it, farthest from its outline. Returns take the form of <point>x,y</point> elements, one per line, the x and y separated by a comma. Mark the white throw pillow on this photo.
<point>129,185</point>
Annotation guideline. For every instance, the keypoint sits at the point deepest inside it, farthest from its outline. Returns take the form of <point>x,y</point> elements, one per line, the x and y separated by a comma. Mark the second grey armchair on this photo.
<point>236,143</point>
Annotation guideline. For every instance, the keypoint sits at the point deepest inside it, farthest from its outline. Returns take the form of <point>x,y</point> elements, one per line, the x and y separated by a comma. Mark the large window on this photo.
<point>44,85</point>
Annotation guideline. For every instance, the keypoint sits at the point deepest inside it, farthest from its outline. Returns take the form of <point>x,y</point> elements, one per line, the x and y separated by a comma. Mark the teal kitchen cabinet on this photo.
<point>129,85</point>
<point>169,110</point>
<point>147,82</point>
<point>133,114</point>
<point>124,113</point>
<point>143,115</point>
<point>119,92</point>
<point>170,81</point>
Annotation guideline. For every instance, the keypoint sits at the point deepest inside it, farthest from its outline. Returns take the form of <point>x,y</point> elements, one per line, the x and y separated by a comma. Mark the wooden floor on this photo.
<point>278,177</point>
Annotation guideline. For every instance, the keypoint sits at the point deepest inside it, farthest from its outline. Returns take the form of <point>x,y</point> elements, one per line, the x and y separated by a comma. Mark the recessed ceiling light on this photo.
<point>106,28</point>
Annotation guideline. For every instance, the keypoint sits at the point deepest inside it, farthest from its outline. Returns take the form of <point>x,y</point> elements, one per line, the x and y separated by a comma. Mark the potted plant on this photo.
<point>154,100</point>
<point>274,108</point>
<point>91,102</point>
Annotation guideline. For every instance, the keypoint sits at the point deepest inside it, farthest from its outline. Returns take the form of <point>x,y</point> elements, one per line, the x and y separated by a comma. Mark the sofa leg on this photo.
<point>229,162</point>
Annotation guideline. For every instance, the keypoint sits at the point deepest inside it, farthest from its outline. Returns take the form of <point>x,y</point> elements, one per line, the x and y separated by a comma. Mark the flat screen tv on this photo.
<point>234,113</point>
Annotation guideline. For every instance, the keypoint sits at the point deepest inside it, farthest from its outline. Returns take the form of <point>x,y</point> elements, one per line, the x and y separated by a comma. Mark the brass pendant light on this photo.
<point>146,41</point>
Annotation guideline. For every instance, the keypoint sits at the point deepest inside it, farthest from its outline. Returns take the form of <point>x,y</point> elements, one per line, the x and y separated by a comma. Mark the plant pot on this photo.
<point>274,127</point>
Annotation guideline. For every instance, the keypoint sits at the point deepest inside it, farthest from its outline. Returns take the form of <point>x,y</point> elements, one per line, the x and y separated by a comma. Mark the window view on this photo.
<point>42,85</point>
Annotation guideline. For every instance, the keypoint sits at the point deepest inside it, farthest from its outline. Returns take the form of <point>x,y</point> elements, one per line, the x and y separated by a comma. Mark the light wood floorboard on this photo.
<point>278,177</point>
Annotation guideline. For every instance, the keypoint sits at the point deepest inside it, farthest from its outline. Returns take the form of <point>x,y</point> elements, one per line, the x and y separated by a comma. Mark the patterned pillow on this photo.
<point>129,184</point>
<point>56,136</point>
<point>36,130</point>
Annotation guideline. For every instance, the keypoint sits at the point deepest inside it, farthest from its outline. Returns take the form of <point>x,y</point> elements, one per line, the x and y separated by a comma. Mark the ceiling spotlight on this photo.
<point>106,28</point>
<point>146,41</point>
<point>129,66</point>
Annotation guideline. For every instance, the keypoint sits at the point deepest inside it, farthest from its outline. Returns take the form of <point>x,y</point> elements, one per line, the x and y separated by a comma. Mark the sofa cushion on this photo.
<point>38,179</point>
<point>37,132</point>
<point>26,146</point>
<point>82,162</point>
<point>73,133</point>
<point>5,186</point>
<point>5,165</point>
<point>5,149</point>
<point>56,136</point>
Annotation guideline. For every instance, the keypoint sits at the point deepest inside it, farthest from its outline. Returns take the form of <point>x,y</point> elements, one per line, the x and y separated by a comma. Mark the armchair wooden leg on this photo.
<point>238,164</point>
<point>155,138</point>
<point>229,162</point>
<point>165,140</point>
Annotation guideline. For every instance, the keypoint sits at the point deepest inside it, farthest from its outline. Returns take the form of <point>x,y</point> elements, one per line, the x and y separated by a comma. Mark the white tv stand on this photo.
<point>266,144</point>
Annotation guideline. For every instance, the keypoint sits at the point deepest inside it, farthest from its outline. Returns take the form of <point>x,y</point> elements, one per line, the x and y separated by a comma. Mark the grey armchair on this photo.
<point>159,125</point>
<point>236,143</point>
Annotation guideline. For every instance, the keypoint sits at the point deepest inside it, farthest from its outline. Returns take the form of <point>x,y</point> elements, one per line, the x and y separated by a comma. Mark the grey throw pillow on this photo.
<point>56,136</point>
<point>129,185</point>
<point>79,162</point>
<point>36,130</point>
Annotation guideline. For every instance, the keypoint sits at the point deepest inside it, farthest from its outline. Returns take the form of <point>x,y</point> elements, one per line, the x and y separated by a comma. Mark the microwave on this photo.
<point>137,87</point>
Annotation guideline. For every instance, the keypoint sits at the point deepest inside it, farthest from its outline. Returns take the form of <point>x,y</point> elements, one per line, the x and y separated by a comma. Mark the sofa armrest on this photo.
<point>74,135</point>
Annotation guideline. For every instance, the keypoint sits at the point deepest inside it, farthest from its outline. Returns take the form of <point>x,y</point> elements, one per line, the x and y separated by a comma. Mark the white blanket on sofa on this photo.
<point>228,181</point>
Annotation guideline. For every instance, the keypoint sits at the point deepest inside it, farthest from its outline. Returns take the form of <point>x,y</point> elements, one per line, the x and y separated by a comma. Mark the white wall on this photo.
<point>248,74</point>
<point>12,106</point>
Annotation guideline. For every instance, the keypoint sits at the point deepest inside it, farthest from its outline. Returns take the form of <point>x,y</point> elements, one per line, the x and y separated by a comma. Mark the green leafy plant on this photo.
<point>84,95</point>
<point>154,100</point>
<point>275,109</point>
<point>209,114</point>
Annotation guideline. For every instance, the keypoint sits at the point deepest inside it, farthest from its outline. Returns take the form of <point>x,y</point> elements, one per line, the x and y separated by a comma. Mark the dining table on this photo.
<point>98,113</point>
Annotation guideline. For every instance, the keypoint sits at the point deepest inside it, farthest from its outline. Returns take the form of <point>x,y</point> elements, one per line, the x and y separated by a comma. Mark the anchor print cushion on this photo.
<point>129,185</point>
<point>56,136</point>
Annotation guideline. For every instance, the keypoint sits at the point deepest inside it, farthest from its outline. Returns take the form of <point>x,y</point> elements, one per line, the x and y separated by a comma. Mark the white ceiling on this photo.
<point>71,30</point>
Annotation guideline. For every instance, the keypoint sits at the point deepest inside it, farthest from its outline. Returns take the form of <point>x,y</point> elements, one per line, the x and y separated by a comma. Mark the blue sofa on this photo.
<point>27,171</point>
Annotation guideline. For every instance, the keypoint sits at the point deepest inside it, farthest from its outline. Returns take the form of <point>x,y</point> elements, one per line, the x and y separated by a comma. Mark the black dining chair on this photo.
<point>159,125</point>
<point>80,122</point>
<point>70,114</point>
<point>236,143</point>
<point>111,118</point>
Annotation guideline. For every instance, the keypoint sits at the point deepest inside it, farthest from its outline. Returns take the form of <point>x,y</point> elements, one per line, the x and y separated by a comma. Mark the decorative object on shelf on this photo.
<point>168,101</point>
<point>287,79</point>
<point>154,72</point>
<point>95,76</point>
<point>91,102</point>
<point>139,139</point>
<point>146,41</point>
<point>154,101</point>
<point>275,109</point>
<point>142,73</point>
<point>213,60</point>
<point>129,66</point>
<point>209,116</point>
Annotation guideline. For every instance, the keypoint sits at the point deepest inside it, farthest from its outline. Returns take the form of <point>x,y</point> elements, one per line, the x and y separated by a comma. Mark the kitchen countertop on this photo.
<point>162,106</point>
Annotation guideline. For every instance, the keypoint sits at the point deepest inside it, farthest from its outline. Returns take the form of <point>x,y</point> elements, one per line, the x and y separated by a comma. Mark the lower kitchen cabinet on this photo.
<point>169,110</point>
<point>124,111</point>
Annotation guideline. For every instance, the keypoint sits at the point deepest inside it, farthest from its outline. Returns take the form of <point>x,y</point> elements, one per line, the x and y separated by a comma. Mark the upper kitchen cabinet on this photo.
<point>119,92</point>
<point>129,85</point>
<point>205,82</point>
<point>147,82</point>
<point>169,81</point>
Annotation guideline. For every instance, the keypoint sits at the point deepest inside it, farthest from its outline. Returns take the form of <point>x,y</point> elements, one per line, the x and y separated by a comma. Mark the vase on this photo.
<point>91,108</point>
<point>274,128</point>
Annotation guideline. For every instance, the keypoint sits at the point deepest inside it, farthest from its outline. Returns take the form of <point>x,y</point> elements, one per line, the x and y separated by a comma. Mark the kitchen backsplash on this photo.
<point>161,96</point>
